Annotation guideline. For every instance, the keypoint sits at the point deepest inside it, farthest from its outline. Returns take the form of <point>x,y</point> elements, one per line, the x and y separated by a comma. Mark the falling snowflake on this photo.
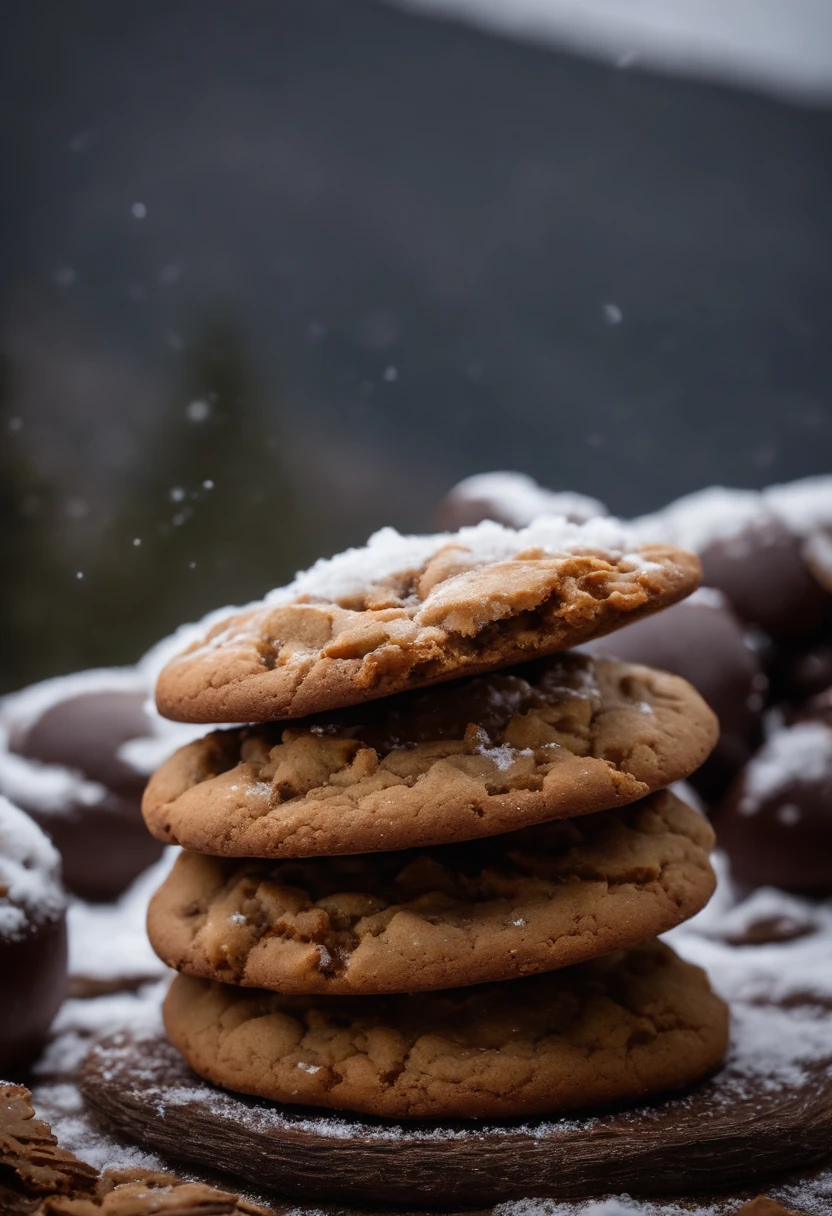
<point>197,411</point>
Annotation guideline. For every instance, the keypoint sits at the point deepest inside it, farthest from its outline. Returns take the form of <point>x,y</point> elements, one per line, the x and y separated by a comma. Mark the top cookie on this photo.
<point>405,612</point>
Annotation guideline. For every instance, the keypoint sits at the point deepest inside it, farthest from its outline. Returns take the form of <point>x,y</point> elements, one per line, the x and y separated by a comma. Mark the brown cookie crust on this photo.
<point>472,913</point>
<point>557,738</point>
<point>615,1029</point>
<point>454,614</point>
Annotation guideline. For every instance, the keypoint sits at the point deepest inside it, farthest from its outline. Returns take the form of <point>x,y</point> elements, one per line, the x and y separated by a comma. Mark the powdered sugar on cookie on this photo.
<point>409,611</point>
<point>388,553</point>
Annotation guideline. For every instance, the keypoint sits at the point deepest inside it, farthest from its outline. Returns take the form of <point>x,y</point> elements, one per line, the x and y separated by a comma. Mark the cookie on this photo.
<point>60,760</point>
<point>766,1111</point>
<point>775,823</point>
<point>405,612</point>
<point>703,641</point>
<point>615,1029</point>
<point>33,942</point>
<point>556,738</point>
<point>513,499</point>
<point>471,913</point>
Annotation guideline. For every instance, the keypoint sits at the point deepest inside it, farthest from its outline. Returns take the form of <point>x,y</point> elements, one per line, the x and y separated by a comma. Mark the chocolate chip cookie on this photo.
<point>508,906</point>
<point>618,1028</point>
<point>559,737</point>
<point>405,612</point>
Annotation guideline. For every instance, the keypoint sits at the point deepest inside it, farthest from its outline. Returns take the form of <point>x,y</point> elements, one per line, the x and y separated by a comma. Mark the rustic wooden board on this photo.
<point>733,1130</point>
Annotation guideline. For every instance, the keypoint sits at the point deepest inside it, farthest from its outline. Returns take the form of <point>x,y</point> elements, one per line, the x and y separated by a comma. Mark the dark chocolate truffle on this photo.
<point>701,640</point>
<point>818,708</point>
<point>800,669</point>
<point>751,553</point>
<point>805,506</point>
<point>512,499</point>
<point>33,945</point>
<point>775,823</point>
<point>63,766</point>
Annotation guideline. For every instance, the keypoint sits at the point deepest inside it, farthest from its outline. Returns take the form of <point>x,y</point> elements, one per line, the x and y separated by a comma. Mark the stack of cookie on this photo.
<point>427,878</point>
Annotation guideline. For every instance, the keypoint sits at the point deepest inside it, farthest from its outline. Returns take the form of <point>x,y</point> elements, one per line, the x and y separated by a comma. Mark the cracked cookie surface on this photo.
<point>555,738</point>
<point>615,1029</point>
<point>406,612</point>
<point>530,901</point>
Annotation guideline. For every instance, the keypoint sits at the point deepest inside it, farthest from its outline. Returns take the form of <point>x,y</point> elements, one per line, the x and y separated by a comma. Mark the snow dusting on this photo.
<point>49,789</point>
<point>798,754</point>
<point>387,553</point>
<point>108,942</point>
<point>520,499</point>
<point>30,887</point>
<point>805,505</point>
<point>698,520</point>
<point>504,756</point>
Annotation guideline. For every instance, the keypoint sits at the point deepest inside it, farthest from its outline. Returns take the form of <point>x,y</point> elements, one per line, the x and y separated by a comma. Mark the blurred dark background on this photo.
<point>278,272</point>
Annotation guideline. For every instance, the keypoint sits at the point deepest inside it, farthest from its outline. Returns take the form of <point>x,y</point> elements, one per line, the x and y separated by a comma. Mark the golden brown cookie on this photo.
<point>471,913</point>
<point>405,612</point>
<point>559,737</point>
<point>615,1029</point>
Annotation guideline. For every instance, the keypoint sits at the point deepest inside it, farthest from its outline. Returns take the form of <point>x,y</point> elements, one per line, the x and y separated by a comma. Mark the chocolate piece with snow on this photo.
<point>33,947</point>
<point>512,499</point>
<point>60,759</point>
<point>776,821</point>
<point>751,550</point>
